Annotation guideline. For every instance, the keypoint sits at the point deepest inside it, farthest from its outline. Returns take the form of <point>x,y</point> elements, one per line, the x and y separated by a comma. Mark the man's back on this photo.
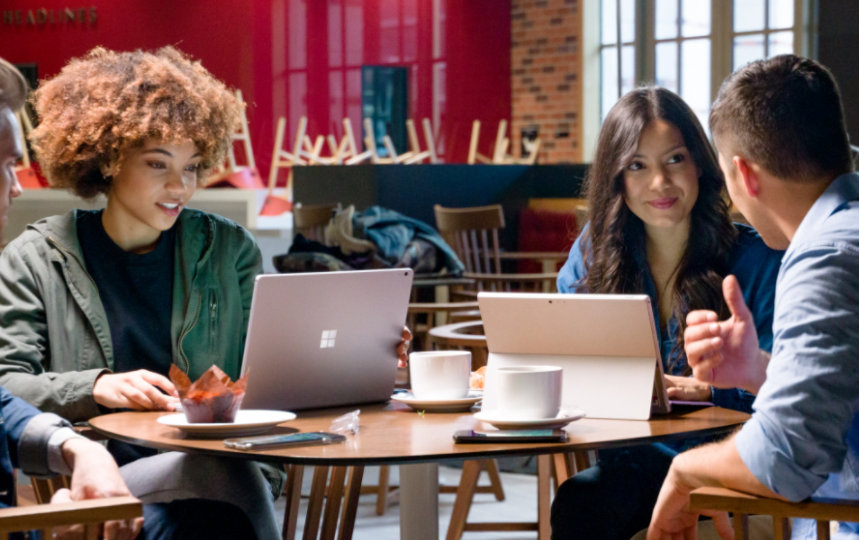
<point>810,399</point>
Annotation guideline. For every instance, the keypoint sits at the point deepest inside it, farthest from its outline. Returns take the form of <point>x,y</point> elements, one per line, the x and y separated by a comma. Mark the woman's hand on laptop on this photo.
<point>687,389</point>
<point>141,390</point>
<point>403,347</point>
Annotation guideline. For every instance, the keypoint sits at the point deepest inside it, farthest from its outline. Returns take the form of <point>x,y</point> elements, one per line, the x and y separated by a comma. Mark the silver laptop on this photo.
<point>606,344</point>
<point>324,339</point>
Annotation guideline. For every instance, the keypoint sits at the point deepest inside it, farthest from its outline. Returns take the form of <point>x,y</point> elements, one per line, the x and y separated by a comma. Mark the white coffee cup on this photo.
<point>523,392</point>
<point>439,374</point>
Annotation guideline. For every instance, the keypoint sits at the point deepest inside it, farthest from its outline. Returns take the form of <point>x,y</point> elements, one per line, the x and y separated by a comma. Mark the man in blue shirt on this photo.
<point>779,127</point>
<point>44,443</point>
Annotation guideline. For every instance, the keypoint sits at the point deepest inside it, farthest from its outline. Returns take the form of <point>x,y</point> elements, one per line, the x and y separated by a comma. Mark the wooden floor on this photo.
<point>520,504</point>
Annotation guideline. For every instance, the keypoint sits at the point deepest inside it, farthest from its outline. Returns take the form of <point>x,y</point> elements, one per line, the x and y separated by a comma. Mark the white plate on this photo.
<point>438,405</point>
<point>563,418</point>
<point>248,422</point>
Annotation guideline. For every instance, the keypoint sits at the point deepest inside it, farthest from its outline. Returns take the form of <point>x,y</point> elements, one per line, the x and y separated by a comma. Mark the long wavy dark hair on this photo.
<point>616,234</point>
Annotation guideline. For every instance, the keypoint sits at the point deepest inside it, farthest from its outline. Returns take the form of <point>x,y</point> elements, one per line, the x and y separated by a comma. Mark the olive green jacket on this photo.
<point>54,334</point>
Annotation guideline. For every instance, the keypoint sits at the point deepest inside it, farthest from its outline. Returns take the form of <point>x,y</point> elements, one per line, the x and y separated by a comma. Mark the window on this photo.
<point>689,46</point>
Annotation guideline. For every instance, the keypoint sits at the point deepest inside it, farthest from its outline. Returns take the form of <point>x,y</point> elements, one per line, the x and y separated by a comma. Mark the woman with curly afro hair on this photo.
<point>96,305</point>
<point>659,225</point>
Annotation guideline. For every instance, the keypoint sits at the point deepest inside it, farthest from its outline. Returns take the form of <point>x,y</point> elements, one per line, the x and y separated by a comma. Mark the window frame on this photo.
<point>721,50</point>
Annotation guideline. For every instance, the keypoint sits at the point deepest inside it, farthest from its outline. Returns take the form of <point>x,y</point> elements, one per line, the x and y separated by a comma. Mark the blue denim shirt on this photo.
<point>803,438</point>
<point>751,261</point>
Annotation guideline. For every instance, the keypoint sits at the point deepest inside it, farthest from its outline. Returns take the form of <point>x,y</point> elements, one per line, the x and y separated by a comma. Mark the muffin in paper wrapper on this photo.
<point>213,398</point>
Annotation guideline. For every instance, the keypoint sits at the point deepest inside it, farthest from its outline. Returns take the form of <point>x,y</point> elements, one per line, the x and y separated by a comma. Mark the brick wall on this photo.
<point>546,76</point>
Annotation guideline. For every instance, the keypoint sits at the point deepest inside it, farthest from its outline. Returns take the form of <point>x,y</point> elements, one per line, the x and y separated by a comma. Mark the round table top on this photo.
<point>463,334</point>
<point>394,433</point>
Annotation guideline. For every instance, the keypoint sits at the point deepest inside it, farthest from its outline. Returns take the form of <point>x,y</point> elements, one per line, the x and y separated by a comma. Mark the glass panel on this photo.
<point>297,36</point>
<point>354,17</point>
<point>780,43</point>
<point>439,103</point>
<point>608,74</point>
<point>666,19</point>
<point>781,13</point>
<point>353,101</point>
<point>695,76</point>
<point>747,48</point>
<point>608,21</point>
<point>410,31</point>
<point>335,35</point>
<point>627,21</point>
<point>389,32</point>
<point>438,28</point>
<point>748,15</point>
<point>696,18</point>
<point>335,101</point>
<point>627,68</point>
<point>297,100</point>
<point>666,65</point>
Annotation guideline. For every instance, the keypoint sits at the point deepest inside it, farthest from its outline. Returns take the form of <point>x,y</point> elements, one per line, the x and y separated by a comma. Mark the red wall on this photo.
<point>303,57</point>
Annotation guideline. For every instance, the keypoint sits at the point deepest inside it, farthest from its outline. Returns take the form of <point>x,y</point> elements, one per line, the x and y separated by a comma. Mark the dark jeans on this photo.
<point>195,518</point>
<point>615,498</point>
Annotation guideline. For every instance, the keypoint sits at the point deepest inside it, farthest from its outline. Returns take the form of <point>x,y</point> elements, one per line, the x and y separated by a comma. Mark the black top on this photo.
<point>137,293</point>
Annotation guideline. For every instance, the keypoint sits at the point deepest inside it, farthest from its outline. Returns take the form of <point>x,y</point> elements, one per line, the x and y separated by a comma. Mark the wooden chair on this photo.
<point>90,513</point>
<point>352,156</point>
<point>741,505</point>
<point>240,176</point>
<point>473,233</point>
<point>500,154</point>
<point>282,159</point>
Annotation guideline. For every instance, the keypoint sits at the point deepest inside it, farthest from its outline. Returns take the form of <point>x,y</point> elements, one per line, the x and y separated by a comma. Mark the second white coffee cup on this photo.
<point>439,374</point>
<point>523,392</point>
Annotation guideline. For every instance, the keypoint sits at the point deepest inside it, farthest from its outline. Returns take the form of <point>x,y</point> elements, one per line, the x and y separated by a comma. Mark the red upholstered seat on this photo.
<point>544,230</point>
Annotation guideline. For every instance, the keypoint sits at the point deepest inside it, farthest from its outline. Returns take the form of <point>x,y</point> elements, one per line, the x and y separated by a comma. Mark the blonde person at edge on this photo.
<point>43,443</point>
<point>659,225</point>
<point>96,305</point>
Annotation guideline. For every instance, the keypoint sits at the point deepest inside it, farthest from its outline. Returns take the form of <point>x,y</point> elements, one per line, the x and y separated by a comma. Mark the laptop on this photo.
<point>606,344</point>
<point>324,339</point>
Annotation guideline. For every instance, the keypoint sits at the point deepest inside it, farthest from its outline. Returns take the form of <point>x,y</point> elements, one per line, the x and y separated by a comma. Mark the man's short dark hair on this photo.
<point>13,87</point>
<point>785,114</point>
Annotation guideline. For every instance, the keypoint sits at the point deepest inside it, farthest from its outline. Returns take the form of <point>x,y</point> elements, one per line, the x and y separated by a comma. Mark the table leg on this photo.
<point>544,496</point>
<point>419,501</point>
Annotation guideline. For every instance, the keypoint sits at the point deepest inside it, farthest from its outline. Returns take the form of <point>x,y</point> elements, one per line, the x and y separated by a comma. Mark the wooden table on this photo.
<point>466,334</point>
<point>394,434</point>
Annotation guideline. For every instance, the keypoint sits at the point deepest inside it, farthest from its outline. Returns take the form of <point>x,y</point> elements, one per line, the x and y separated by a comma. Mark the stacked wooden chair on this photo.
<point>232,173</point>
<point>500,154</point>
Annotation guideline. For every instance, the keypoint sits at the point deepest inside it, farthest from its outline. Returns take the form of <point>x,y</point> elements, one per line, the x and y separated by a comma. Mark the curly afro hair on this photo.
<point>105,103</point>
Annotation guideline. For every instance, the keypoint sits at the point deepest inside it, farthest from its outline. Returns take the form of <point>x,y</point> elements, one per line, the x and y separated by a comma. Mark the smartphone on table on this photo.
<point>308,438</point>
<point>510,435</point>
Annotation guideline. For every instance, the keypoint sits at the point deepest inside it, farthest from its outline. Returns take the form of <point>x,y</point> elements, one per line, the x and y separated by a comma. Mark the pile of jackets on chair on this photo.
<point>374,238</point>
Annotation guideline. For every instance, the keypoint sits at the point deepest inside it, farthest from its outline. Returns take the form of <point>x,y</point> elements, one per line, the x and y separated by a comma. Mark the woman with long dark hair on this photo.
<point>659,225</point>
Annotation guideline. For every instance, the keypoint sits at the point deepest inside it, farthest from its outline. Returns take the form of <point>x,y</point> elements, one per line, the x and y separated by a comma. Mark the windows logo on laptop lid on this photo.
<point>324,339</point>
<point>606,344</point>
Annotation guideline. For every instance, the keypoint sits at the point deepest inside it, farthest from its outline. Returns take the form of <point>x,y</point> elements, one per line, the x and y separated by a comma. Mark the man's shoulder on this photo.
<point>59,227</point>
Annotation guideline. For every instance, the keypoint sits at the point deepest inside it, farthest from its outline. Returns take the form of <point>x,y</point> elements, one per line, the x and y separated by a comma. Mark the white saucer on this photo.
<point>563,418</point>
<point>439,405</point>
<point>248,422</point>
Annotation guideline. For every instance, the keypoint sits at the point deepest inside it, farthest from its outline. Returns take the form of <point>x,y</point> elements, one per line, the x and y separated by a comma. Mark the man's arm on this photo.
<point>94,476</point>
<point>717,464</point>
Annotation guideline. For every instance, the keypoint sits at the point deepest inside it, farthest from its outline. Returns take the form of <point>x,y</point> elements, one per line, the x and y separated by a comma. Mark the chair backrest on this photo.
<point>310,219</point>
<point>473,235</point>
<point>91,513</point>
<point>741,505</point>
